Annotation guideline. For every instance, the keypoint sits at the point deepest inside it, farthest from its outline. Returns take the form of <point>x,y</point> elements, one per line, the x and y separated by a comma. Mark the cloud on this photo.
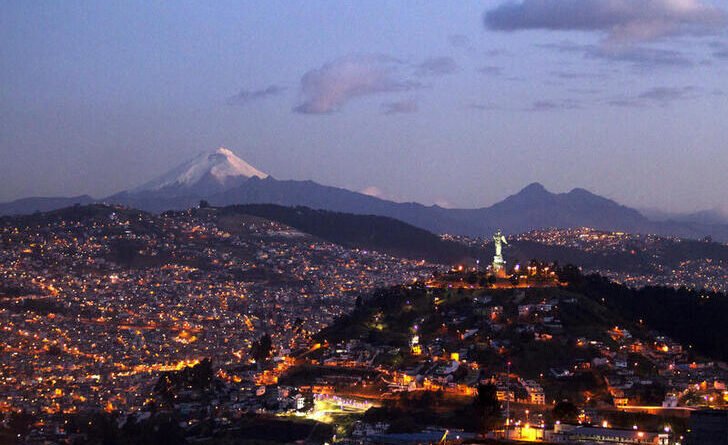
<point>645,58</point>
<point>436,66</point>
<point>373,190</point>
<point>491,70</point>
<point>497,52</point>
<point>377,192</point>
<point>402,106</point>
<point>459,41</point>
<point>639,57</point>
<point>622,21</point>
<point>488,106</point>
<point>658,96</point>
<point>538,105</point>
<point>720,50</point>
<point>244,97</point>
<point>665,94</point>
<point>551,105</point>
<point>329,88</point>
<point>571,75</point>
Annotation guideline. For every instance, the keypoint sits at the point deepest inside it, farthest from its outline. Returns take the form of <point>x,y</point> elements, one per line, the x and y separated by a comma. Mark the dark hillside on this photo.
<point>380,233</point>
<point>694,318</point>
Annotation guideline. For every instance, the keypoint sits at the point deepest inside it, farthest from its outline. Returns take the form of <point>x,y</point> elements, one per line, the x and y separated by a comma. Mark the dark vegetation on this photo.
<point>307,374</point>
<point>41,306</point>
<point>379,233</point>
<point>258,429</point>
<point>414,411</point>
<point>698,319</point>
<point>101,428</point>
<point>14,291</point>
<point>261,349</point>
<point>199,377</point>
<point>385,317</point>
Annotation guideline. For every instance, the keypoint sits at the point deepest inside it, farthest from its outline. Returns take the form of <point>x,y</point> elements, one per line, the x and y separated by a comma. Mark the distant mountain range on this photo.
<point>26,206</point>
<point>222,179</point>
<point>712,216</point>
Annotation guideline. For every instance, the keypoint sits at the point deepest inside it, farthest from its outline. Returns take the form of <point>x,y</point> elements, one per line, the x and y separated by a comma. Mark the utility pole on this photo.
<point>508,399</point>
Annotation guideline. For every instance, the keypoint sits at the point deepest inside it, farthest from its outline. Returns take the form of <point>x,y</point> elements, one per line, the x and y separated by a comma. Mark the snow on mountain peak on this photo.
<point>220,165</point>
<point>228,164</point>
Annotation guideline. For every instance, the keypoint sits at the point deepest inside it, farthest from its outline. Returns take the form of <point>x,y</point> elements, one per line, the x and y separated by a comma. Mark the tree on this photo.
<point>20,423</point>
<point>570,274</point>
<point>262,348</point>
<point>403,424</point>
<point>566,411</point>
<point>471,278</point>
<point>487,408</point>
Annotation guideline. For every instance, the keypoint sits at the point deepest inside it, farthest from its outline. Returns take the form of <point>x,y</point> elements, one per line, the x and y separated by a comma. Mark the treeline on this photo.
<point>695,318</point>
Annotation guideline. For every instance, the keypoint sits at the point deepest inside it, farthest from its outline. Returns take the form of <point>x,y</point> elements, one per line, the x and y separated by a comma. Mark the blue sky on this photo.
<point>459,103</point>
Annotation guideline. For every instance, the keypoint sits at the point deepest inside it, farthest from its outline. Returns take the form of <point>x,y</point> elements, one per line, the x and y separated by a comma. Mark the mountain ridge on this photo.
<point>222,179</point>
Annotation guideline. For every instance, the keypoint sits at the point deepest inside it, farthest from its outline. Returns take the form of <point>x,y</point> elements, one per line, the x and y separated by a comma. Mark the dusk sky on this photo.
<point>456,103</point>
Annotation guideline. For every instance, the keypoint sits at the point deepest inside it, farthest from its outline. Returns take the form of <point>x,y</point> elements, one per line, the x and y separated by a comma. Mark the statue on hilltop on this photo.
<point>499,239</point>
<point>499,265</point>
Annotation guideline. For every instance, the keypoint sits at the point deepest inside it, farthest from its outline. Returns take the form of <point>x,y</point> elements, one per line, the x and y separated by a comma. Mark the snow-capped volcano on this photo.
<point>220,169</point>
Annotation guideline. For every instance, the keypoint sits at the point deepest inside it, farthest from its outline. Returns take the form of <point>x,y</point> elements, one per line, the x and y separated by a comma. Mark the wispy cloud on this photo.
<point>553,105</point>
<point>572,75</point>
<point>658,96</point>
<point>328,88</point>
<point>720,50</point>
<point>621,21</point>
<point>536,106</point>
<point>639,57</point>
<point>488,106</point>
<point>401,107</point>
<point>491,70</point>
<point>244,97</point>
<point>436,66</point>
<point>644,58</point>
<point>459,41</point>
<point>377,192</point>
<point>373,190</point>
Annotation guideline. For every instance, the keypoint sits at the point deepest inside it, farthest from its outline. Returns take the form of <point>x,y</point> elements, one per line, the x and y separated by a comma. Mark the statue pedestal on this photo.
<point>499,266</point>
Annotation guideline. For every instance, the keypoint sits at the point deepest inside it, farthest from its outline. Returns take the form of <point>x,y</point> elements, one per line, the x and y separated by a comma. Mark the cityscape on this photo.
<point>364,223</point>
<point>100,302</point>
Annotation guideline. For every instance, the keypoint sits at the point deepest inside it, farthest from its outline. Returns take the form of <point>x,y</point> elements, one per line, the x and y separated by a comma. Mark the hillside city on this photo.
<point>81,331</point>
<point>109,310</point>
<point>498,222</point>
<point>695,272</point>
<point>635,260</point>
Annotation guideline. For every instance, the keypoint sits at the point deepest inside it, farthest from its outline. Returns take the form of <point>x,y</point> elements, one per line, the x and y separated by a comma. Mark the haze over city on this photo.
<point>459,105</point>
